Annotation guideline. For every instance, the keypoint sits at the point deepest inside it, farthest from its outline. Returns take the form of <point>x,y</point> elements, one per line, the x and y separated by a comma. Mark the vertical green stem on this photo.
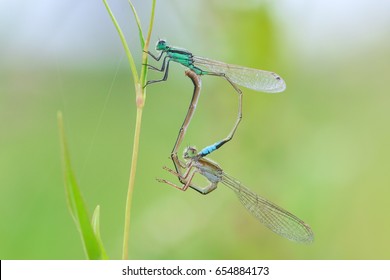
<point>140,102</point>
<point>137,132</point>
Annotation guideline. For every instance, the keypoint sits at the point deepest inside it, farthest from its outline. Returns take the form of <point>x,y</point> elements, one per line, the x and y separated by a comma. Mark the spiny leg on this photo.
<point>183,187</point>
<point>179,165</point>
<point>185,180</point>
<point>165,74</point>
<point>184,176</point>
<point>156,58</point>
<point>188,182</point>
<point>162,65</point>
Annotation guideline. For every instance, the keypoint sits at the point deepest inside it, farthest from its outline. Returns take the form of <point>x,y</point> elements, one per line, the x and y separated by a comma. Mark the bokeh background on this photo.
<point>320,149</point>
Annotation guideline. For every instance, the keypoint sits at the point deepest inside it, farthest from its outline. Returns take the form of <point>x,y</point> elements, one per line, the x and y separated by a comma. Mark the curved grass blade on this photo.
<point>124,43</point>
<point>141,35</point>
<point>96,227</point>
<point>91,243</point>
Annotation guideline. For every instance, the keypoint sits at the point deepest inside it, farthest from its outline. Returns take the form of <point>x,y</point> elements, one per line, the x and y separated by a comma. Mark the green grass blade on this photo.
<point>141,35</point>
<point>96,221</point>
<point>77,207</point>
<point>96,229</point>
<point>124,43</point>
<point>144,69</point>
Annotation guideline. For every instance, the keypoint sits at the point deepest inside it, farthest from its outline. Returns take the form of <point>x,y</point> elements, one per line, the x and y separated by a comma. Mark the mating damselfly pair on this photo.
<point>272,216</point>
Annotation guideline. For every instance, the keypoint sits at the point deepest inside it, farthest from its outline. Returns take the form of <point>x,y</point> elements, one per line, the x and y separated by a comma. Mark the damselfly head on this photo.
<point>161,45</point>
<point>190,152</point>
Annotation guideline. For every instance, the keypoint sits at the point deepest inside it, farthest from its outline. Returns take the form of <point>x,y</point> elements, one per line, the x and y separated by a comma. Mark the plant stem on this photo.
<point>140,102</point>
<point>140,97</point>
<point>133,169</point>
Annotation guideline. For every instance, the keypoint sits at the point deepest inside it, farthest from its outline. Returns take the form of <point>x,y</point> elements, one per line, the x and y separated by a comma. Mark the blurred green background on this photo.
<point>320,149</point>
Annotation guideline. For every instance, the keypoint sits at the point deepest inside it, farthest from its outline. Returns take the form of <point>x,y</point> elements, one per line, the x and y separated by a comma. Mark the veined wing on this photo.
<point>272,216</point>
<point>255,79</point>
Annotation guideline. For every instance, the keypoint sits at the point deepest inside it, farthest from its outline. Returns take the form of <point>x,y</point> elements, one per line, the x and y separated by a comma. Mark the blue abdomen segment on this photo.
<point>210,149</point>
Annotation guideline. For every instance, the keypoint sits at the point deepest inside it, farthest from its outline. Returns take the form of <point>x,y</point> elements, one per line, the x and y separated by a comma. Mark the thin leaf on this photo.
<point>96,221</point>
<point>124,43</point>
<point>144,69</point>
<point>96,228</point>
<point>141,35</point>
<point>76,204</point>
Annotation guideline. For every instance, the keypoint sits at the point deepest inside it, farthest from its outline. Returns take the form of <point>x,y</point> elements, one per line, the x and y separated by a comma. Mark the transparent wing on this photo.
<point>272,216</point>
<point>247,77</point>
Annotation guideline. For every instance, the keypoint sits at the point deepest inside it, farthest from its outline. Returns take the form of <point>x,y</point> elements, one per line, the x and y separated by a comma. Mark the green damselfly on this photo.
<point>255,79</point>
<point>271,215</point>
